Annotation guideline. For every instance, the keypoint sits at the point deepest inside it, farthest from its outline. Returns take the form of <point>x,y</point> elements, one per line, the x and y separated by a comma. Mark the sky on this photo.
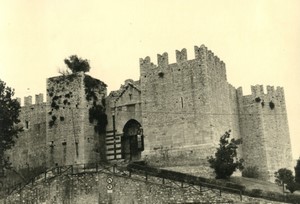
<point>258,40</point>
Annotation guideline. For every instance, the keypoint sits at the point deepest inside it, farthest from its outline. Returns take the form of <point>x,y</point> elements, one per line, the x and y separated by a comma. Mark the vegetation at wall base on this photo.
<point>285,176</point>
<point>273,196</point>
<point>225,161</point>
<point>250,172</point>
<point>236,187</point>
<point>297,172</point>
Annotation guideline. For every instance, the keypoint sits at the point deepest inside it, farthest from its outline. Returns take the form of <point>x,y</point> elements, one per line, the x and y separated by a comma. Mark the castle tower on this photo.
<point>187,105</point>
<point>264,129</point>
<point>72,133</point>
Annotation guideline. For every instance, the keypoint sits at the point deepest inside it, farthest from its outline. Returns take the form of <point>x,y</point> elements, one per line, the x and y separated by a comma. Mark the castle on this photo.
<point>182,108</point>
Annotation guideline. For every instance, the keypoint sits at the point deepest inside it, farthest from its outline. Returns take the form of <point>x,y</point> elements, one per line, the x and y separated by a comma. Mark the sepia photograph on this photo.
<point>149,102</point>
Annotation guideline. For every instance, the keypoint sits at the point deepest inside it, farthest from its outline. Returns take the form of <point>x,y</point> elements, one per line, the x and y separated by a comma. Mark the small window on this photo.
<point>181,102</point>
<point>77,149</point>
<point>26,124</point>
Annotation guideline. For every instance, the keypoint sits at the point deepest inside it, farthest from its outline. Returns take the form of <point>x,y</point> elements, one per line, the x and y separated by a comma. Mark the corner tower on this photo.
<point>75,120</point>
<point>264,129</point>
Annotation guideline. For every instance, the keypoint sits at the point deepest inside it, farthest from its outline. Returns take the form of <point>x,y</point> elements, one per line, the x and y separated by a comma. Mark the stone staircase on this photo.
<point>113,146</point>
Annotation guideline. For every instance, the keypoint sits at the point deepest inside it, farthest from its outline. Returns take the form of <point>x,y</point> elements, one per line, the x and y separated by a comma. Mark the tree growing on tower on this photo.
<point>76,64</point>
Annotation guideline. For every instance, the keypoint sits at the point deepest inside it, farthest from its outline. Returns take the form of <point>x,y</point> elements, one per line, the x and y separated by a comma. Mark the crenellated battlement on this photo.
<point>163,60</point>
<point>145,61</point>
<point>39,99</point>
<point>181,56</point>
<point>200,53</point>
<point>205,61</point>
<point>258,90</point>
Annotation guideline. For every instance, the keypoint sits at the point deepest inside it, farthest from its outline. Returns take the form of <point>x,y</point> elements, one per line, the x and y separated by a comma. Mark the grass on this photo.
<point>251,183</point>
<point>253,187</point>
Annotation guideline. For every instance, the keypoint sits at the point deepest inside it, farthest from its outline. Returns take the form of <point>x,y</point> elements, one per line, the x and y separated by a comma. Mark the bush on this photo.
<point>250,172</point>
<point>297,172</point>
<point>76,64</point>
<point>256,192</point>
<point>285,176</point>
<point>225,161</point>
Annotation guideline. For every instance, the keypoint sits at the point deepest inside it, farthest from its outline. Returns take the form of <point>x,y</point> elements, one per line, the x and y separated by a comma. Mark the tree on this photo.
<point>9,118</point>
<point>297,172</point>
<point>285,176</point>
<point>225,161</point>
<point>76,64</point>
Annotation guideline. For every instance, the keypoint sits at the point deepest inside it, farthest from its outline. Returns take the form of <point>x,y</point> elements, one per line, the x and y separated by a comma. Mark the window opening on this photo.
<point>27,124</point>
<point>181,102</point>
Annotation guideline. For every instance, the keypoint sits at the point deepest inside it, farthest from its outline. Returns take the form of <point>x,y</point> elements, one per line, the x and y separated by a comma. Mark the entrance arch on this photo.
<point>132,140</point>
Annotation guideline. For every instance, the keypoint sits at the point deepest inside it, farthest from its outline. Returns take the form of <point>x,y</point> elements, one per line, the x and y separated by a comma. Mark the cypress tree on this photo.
<point>297,172</point>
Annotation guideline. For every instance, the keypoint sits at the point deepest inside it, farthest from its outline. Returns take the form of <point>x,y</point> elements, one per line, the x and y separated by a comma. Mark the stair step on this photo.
<point>112,158</point>
<point>112,149</point>
<point>112,143</point>
<point>111,131</point>
<point>117,148</point>
<point>117,135</point>
<point>112,154</point>
<point>112,139</point>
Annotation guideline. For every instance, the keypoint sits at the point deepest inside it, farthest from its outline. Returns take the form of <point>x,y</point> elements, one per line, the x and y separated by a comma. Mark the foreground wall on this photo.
<point>92,188</point>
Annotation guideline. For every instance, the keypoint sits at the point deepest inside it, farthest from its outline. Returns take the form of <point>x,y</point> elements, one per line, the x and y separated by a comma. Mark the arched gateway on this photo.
<point>132,140</point>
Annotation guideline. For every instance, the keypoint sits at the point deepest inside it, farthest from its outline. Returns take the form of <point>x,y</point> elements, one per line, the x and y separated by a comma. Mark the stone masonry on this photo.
<point>183,108</point>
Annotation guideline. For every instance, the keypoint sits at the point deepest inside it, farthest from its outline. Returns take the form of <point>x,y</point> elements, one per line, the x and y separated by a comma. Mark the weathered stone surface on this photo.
<point>92,188</point>
<point>71,137</point>
<point>183,109</point>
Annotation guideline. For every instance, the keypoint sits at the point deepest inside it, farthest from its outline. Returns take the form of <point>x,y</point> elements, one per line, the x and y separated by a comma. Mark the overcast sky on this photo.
<point>258,40</point>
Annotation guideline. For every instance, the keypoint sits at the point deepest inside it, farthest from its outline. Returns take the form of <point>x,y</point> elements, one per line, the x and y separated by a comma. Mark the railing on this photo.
<point>135,172</point>
<point>197,183</point>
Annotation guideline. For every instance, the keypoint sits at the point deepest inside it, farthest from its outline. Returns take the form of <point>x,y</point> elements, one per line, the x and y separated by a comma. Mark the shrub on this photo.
<point>76,64</point>
<point>256,192</point>
<point>250,172</point>
<point>297,172</point>
<point>225,161</point>
<point>285,176</point>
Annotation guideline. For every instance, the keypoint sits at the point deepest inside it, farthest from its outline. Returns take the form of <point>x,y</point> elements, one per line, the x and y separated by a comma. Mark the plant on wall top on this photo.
<point>76,64</point>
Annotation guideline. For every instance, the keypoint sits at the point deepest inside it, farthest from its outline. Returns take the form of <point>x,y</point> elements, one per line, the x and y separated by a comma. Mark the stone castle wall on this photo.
<point>66,110</point>
<point>183,108</point>
<point>58,131</point>
<point>125,104</point>
<point>188,105</point>
<point>28,152</point>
